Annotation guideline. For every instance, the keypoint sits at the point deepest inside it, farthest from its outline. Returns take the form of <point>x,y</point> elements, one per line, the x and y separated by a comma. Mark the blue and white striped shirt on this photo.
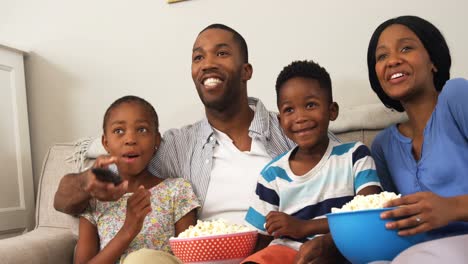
<point>344,170</point>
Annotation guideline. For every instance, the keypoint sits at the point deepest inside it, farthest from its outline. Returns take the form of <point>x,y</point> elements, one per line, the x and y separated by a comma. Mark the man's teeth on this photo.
<point>212,82</point>
<point>396,75</point>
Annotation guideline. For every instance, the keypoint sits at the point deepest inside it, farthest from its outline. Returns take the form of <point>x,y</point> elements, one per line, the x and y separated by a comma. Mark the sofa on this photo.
<point>54,237</point>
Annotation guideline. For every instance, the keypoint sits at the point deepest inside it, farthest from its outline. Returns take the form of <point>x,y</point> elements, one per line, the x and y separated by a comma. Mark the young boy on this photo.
<point>297,188</point>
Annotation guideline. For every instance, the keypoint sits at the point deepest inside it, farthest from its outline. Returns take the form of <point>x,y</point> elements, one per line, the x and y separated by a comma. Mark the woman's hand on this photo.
<point>138,206</point>
<point>421,212</point>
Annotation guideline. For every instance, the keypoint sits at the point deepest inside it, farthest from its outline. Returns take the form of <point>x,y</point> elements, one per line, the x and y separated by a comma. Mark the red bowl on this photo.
<point>230,248</point>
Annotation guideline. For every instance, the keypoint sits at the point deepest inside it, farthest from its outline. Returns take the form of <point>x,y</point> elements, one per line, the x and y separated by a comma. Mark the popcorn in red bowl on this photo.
<point>229,248</point>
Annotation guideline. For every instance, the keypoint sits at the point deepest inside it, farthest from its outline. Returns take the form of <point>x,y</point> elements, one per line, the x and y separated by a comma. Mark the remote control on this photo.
<point>106,175</point>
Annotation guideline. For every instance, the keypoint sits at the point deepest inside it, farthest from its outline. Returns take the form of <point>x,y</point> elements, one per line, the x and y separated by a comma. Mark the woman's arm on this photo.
<point>381,163</point>
<point>455,93</point>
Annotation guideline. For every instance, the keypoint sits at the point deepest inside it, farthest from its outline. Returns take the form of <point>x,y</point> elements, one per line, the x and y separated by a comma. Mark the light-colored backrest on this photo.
<point>366,136</point>
<point>364,122</point>
<point>54,168</point>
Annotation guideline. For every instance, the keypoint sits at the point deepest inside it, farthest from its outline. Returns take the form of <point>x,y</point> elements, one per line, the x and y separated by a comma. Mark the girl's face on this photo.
<point>403,65</point>
<point>131,136</point>
<point>305,111</point>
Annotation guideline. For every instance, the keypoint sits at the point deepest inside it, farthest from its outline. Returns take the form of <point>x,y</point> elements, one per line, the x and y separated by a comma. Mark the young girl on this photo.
<point>153,210</point>
<point>426,158</point>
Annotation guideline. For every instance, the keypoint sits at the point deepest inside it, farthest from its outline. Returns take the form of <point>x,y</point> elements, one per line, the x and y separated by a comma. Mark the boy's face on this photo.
<point>305,111</point>
<point>131,136</point>
<point>218,70</point>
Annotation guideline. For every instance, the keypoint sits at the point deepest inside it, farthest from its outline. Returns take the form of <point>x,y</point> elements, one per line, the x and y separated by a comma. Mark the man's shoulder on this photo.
<point>182,141</point>
<point>193,129</point>
<point>190,127</point>
<point>273,115</point>
<point>261,109</point>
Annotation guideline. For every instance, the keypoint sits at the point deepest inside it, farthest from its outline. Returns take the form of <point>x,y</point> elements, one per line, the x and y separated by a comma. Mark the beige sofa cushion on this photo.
<point>55,166</point>
<point>44,245</point>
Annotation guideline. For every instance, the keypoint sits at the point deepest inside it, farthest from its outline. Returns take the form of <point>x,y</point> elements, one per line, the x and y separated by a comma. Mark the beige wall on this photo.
<point>84,54</point>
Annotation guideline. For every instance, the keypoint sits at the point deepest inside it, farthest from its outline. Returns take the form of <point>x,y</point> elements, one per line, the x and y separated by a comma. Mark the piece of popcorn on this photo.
<point>372,201</point>
<point>213,227</point>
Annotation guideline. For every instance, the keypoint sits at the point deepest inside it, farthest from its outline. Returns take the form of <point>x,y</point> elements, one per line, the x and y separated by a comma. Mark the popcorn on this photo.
<point>372,201</point>
<point>213,227</point>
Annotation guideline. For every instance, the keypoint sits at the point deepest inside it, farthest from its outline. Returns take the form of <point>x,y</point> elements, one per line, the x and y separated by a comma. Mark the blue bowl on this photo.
<point>361,236</point>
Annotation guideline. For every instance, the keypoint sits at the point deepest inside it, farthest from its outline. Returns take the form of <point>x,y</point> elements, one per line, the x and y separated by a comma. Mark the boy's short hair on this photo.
<point>434,43</point>
<point>237,38</point>
<point>131,99</point>
<point>306,69</point>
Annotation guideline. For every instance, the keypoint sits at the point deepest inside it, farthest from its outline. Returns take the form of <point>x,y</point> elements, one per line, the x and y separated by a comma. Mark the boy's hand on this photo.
<point>280,224</point>
<point>103,191</point>
<point>138,206</point>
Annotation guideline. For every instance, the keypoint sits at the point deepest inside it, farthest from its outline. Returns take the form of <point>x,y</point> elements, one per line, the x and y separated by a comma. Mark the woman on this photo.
<point>426,158</point>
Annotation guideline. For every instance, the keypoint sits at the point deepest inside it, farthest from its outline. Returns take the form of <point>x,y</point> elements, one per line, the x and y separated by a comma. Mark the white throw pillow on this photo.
<point>95,149</point>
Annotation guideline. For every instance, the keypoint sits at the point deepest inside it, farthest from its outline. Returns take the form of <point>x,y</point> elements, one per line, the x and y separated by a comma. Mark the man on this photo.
<point>222,154</point>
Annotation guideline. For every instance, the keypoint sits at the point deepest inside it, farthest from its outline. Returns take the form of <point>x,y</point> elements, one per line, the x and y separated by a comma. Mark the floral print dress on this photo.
<point>170,201</point>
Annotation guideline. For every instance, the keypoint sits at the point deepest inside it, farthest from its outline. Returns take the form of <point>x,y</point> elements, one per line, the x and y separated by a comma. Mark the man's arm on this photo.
<point>76,189</point>
<point>70,197</point>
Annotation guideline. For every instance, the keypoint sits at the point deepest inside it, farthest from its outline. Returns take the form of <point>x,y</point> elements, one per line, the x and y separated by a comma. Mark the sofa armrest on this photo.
<point>42,245</point>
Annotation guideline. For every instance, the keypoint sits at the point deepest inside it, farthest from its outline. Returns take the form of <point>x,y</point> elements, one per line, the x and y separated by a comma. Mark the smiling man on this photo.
<point>223,153</point>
